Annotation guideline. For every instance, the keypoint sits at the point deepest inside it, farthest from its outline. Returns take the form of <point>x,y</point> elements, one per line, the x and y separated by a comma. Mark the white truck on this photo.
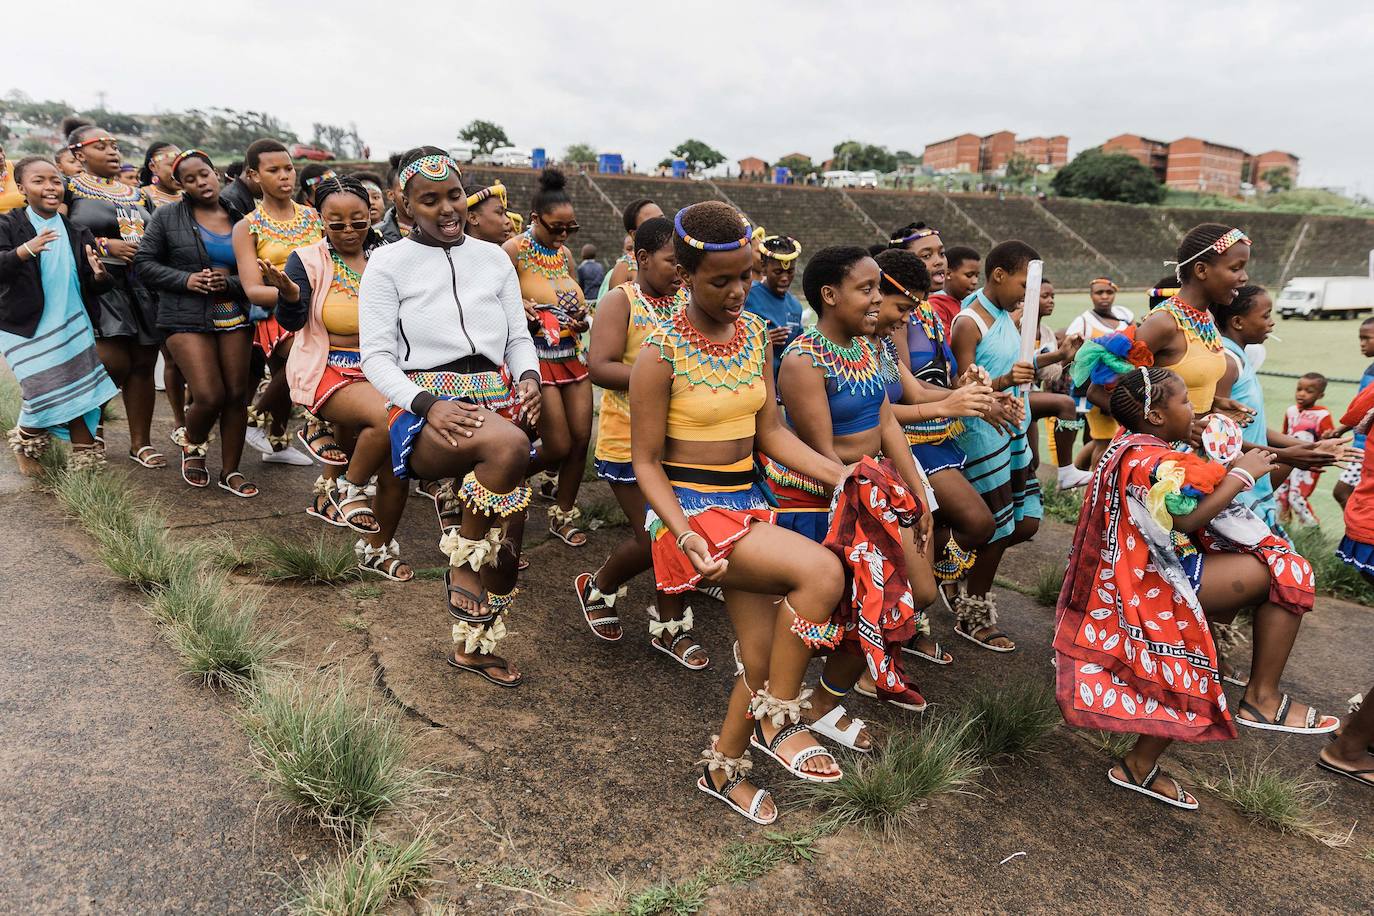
<point>1327,297</point>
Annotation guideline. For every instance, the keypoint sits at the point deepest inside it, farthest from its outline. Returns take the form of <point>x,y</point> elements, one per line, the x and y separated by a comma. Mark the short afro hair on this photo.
<point>707,221</point>
<point>253,155</point>
<point>907,269</point>
<point>630,215</point>
<point>958,254</point>
<point>653,234</point>
<point>1012,256</point>
<point>828,267</point>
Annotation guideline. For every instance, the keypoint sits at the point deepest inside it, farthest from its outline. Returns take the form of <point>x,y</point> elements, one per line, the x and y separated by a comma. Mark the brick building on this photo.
<point>1274,159</point>
<point>752,167</point>
<point>1051,151</point>
<point>1200,165</point>
<point>957,154</point>
<point>1152,153</point>
<point>972,153</point>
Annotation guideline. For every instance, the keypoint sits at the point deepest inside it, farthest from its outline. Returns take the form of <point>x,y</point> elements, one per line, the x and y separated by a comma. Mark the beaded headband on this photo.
<point>885,277</point>
<point>1145,374</point>
<point>496,190</point>
<point>1106,280</point>
<point>918,234</point>
<point>435,167</point>
<point>698,244</point>
<point>187,154</point>
<point>785,257</point>
<point>758,234</point>
<point>323,176</point>
<point>1220,246</point>
<point>105,139</point>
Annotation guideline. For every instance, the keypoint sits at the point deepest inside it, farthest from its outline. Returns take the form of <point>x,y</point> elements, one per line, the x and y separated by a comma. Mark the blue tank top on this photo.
<point>932,360</point>
<point>888,361</point>
<point>220,248</point>
<point>854,385</point>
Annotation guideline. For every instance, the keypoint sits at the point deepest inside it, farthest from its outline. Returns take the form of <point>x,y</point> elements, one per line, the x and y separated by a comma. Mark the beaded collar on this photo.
<point>1194,322</point>
<point>536,258</point>
<point>888,360</point>
<point>855,367</point>
<point>659,308</point>
<point>924,315</point>
<point>160,197</point>
<point>84,184</point>
<point>302,228</point>
<point>346,280</point>
<point>736,363</point>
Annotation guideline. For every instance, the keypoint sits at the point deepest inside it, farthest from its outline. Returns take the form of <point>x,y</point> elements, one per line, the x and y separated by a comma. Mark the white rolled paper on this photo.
<point>1030,313</point>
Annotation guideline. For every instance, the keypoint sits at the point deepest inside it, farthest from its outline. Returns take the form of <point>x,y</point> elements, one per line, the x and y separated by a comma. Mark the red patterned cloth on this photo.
<point>871,509</point>
<point>1133,648</point>
<point>268,335</point>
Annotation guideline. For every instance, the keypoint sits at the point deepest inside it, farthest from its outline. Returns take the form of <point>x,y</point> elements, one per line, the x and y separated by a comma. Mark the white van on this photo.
<point>1323,297</point>
<point>840,178</point>
<point>462,151</point>
<point>512,157</point>
<point>867,179</point>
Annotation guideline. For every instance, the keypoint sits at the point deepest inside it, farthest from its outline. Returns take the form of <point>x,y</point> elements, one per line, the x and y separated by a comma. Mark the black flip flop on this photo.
<point>1357,775</point>
<point>479,600</point>
<point>481,668</point>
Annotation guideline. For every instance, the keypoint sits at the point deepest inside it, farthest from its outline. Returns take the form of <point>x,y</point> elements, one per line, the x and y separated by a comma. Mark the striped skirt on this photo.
<point>998,466</point>
<point>61,378</point>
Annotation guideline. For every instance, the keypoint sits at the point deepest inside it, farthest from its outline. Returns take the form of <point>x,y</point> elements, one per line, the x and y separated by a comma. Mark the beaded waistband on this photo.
<point>473,386</point>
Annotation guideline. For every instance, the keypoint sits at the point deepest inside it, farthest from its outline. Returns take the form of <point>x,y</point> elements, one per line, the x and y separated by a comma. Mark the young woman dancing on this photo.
<point>701,402</point>
<point>275,227</point>
<point>442,333</point>
<point>156,176</point>
<point>636,213</point>
<point>318,302</point>
<point>835,396</point>
<point>625,317</point>
<point>1160,551</point>
<point>50,277</point>
<point>547,281</point>
<point>126,330</point>
<point>188,256</point>
<point>487,218</point>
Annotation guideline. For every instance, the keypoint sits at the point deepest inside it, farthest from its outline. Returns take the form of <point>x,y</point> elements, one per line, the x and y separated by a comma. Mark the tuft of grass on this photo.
<point>1062,505</point>
<point>367,592</point>
<point>363,882</point>
<point>430,573</point>
<point>1049,579</point>
<point>879,791</point>
<point>1334,577</point>
<point>228,554</point>
<point>319,561</point>
<point>1264,794</point>
<point>353,623</point>
<point>1114,744</point>
<point>334,753</point>
<point>681,899</point>
<point>1008,723</point>
<point>219,639</point>
<point>132,538</point>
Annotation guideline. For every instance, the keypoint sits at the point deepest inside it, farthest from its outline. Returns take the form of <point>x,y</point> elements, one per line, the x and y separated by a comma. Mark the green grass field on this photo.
<point>1329,347</point>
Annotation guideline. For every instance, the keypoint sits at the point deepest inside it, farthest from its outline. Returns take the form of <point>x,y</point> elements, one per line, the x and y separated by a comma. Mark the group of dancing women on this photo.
<point>833,485</point>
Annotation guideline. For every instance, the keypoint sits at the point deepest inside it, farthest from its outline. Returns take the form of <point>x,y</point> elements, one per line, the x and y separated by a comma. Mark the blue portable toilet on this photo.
<point>679,168</point>
<point>610,164</point>
<point>781,174</point>
<point>538,158</point>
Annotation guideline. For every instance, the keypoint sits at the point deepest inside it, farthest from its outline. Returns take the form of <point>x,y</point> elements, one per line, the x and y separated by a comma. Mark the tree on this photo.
<point>698,155</point>
<point>1278,178</point>
<point>861,157</point>
<point>342,142</point>
<point>485,135</point>
<point>1019,167</point>
<point>579,153</point>
<point>799,164</point>
<point>116,121</point>
<point>905,157</point>
<point>1108,176</point>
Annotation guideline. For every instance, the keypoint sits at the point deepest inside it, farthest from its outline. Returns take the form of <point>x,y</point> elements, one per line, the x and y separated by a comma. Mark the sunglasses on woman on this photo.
<point>559,228</point>
<point>358,225</point>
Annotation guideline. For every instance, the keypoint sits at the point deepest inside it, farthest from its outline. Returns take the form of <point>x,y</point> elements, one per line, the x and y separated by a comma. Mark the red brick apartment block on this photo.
<point>1199,165</point>
<point>1152,153</point>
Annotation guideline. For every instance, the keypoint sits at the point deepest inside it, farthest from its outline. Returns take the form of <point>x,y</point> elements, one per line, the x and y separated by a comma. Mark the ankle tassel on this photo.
<point>481,638</point>
<point>365,551</point>
<point>475,553</point>
<point>816,635</point>
<point>479,499</point>
<point>278,443</point>
<point>975,613</point>
<point>714,761</point>
<point>667,629</point>
<point>561,517</point>
<point>87,457</point>
<point>323,486</point>
<point>763,705</point>
<point>30,445</point>
<point>955,562</point>
<point>501,604</point>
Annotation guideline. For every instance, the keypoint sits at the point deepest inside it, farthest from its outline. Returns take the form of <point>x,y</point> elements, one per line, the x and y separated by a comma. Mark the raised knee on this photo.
<point>923,591</point>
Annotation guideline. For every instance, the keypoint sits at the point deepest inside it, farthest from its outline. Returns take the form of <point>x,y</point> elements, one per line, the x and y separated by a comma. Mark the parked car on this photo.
<point>867,179</point>
<point>511,157</point>
<point>840,178</point>
<point>314,153</point>
<point>462,151</point>
<point>1327,297</point>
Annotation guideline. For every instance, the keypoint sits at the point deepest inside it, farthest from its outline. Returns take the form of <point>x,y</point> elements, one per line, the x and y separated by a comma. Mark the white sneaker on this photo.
<point>1071,477</point>
<point>258,439</point>
<point>290,456</point>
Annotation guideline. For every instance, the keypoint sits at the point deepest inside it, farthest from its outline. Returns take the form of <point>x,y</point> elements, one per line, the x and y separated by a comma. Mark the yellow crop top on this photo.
<point>718,388</point>
<point>1202,365</point>
<point>339,312</point>
<point>276,240</point>
<point>613,422</point>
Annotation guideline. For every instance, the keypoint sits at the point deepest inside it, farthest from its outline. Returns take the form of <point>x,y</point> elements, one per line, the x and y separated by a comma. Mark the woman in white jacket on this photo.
<point>443,338</point>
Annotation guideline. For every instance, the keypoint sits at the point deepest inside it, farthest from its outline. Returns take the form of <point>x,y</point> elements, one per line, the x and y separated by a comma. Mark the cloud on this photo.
<point>638,79</point>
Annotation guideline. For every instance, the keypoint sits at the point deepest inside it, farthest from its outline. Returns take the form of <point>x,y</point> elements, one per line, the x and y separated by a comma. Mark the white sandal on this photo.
<point>735,769</point>
<point>828,726</point>
<point>787,715</point>
<point>666,635</point>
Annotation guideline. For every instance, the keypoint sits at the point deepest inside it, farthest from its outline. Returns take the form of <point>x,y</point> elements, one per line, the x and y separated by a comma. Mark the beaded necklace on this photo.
<point>536,258</point>
<point>160,197</point>
<point>302,228</point>
<point>84,184</point>
<point>888,359</point>
<point>1195,323</point>
<point>346,280</point>
<point>658,309</point>
<point>854,367</point>
<point>736,363</point>
<point>924,315</point>
<point>4,173</point>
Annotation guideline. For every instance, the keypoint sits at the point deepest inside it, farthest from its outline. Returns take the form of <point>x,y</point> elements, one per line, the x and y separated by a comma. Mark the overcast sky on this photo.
<point>637,78</point>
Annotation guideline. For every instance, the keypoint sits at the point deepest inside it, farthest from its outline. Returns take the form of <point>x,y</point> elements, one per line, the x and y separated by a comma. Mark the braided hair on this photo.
<point>1135,389</point>
<point>348,184</point>
<point>145,174</point>
<point>1196,248</point>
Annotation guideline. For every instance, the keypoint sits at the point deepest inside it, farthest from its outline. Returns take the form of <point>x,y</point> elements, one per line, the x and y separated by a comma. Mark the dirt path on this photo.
<point>125,787</point>
<point>580,781</point>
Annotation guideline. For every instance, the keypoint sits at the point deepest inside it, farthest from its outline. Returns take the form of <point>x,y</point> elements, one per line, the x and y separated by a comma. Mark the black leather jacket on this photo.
<point>172,250</point>
<point>21,285</point>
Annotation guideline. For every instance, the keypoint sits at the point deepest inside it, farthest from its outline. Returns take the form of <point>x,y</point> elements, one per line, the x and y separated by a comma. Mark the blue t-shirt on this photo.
<point>1365,381</point>
<point>783,311</point>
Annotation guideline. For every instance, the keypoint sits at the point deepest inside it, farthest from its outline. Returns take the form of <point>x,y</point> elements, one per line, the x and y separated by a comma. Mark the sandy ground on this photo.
<point>581,779</point>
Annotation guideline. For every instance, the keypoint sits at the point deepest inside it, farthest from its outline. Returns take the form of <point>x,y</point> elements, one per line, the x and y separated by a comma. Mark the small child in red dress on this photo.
<point>1310,422</point>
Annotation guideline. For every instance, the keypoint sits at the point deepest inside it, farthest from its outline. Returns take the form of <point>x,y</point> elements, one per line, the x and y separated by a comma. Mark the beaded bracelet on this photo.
<point>1244,476</point>
<point>682,538</point>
